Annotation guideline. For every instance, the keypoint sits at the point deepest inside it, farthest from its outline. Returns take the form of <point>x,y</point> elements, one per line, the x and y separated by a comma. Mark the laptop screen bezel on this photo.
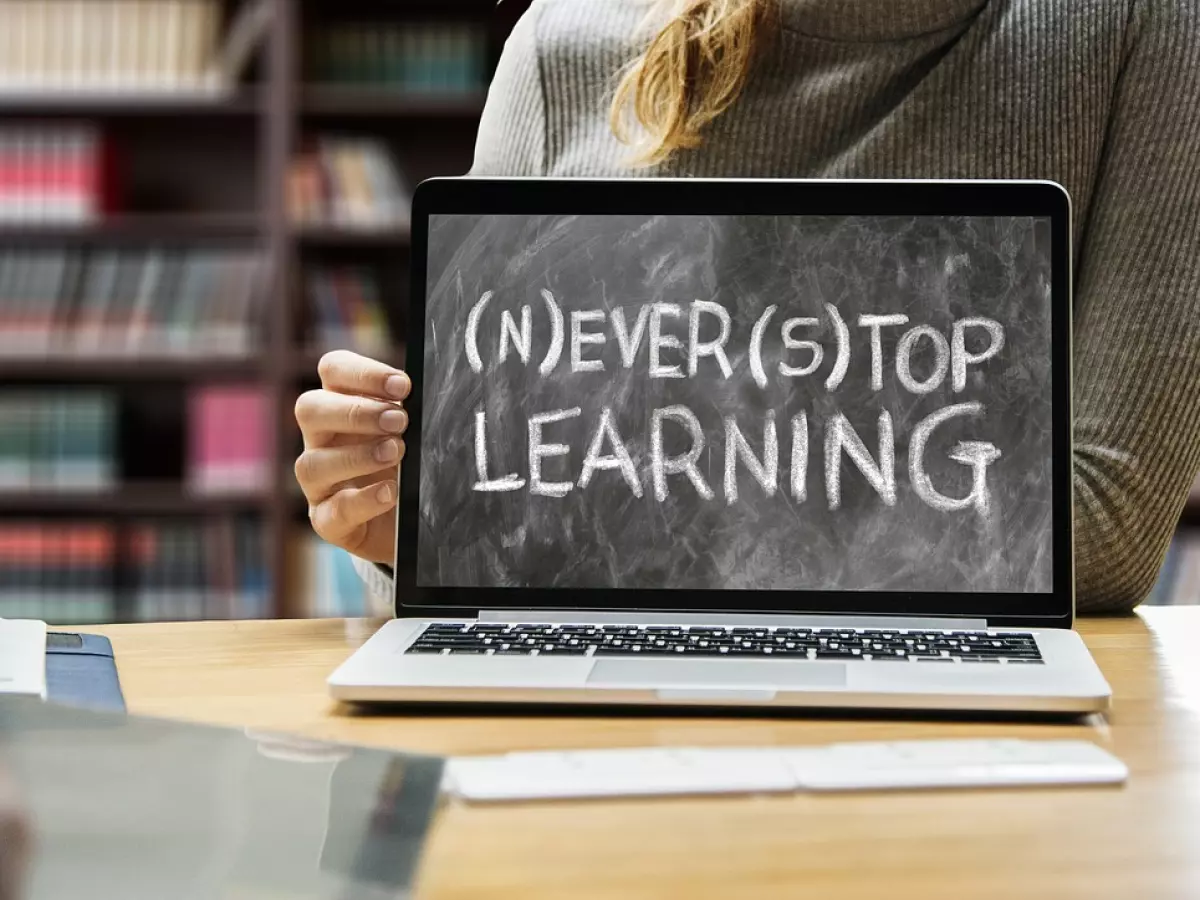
<point>481,196</point>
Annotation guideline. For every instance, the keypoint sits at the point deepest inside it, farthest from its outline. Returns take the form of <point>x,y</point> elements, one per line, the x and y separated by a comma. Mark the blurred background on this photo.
<point>197,198</point>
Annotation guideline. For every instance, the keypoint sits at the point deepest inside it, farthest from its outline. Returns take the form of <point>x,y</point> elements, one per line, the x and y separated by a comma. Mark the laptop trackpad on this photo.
<point>728,674</point>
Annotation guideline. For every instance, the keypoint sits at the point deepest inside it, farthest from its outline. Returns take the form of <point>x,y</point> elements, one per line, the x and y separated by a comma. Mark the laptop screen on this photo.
<point>737,403</point>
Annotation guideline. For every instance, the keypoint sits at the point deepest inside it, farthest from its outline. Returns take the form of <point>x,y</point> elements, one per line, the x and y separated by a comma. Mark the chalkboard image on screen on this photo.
<point>737,402</point>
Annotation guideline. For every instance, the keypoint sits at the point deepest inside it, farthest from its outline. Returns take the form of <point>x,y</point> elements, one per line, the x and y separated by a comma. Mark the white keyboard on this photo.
<point>835,767</point>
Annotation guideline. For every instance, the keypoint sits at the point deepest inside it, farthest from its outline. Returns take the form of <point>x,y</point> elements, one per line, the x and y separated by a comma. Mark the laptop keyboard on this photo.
<point>971,647</point>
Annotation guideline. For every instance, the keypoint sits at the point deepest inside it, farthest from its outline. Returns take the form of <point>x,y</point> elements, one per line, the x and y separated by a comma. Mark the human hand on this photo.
<point>16,839</point>
<point>352,431</point>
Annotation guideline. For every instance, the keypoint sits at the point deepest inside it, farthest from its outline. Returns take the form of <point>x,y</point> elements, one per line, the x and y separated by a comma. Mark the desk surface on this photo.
<point>1142,840</point>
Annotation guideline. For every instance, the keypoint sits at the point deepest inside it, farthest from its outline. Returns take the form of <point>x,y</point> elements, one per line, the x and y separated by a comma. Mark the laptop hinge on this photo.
<point>569,617</point>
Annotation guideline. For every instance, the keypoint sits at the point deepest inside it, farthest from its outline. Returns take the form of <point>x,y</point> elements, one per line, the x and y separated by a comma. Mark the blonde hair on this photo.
<point>693,70</point>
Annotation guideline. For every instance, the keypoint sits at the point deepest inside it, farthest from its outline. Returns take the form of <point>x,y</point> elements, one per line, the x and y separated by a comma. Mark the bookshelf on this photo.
<point>211,170</point>
<point>208,170</point>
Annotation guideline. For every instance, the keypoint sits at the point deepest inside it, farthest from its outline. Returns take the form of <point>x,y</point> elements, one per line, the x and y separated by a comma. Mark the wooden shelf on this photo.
<point>148,498</point>
<point>343,236</point>
<point>129,104</point>
<point>150,228</point>
<point>355,101</point>
<point>132,368</point>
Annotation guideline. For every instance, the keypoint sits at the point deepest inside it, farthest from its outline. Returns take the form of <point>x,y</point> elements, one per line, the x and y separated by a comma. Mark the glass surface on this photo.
<point>737,403</point>
<point>132,808</point>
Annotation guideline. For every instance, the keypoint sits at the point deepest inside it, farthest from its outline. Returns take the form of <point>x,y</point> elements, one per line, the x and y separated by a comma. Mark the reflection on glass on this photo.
<point>135,808</point>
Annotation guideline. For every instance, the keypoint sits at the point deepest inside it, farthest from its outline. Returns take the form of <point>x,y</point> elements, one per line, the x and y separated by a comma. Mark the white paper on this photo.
<point>23,657</point>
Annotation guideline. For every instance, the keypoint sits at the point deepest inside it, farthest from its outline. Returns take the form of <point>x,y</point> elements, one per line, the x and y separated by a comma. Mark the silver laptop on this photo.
<point>736,443</point>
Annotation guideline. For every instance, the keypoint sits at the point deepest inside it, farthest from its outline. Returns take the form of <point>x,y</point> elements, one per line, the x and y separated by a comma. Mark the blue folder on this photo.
<point>81,671</point>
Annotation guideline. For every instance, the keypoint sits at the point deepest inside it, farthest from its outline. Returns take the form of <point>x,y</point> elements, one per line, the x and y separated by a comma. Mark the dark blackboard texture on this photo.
<point>974,515</point>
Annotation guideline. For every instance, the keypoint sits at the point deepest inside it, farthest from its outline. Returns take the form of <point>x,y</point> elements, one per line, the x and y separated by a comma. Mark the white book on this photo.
<point>202,17</point>
<point>23,657</point>
<point>171,41</point>
<point>111,37</point>
<point>128,27</point>
<point>35,43</point>
<point>55,14</point>
<point>22,55</point>
<point>74,42</point>
<point>7,45</point>
<point>91,16</point>
<point>143,46</point>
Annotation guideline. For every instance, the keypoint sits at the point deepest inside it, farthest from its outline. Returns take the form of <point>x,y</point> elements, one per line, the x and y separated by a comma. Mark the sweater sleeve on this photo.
<point>1137,317</point>
<point>512,130</point>
<point>379,582</point>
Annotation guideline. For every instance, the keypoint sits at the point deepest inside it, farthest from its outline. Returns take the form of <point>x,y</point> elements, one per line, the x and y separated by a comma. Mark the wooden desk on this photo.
<point>1141,842</point>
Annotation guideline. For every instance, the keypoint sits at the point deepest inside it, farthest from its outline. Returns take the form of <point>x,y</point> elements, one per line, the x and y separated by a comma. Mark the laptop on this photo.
<point>736,444</point>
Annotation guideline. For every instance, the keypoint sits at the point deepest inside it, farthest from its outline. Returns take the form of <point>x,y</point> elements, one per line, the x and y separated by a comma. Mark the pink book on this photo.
<point>229,447</point>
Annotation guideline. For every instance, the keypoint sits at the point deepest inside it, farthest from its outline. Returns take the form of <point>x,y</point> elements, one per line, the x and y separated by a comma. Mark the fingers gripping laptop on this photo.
<point>736,443</point>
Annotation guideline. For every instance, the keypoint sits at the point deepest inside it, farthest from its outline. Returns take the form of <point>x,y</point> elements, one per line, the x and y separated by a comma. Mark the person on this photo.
<point>1102,97</point>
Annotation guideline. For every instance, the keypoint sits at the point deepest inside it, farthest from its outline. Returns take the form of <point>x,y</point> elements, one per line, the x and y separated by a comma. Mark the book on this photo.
<point>345,310</point>
<point>229,439</point>
<point>418,58</point>
<point>131,302</point>
<point>57,440</point>
<point>59,173</point>
<point>193,570</point>
<point>349,182</point>
<point>57,572</point>
<point>326,584</point>
<point>126,47</point>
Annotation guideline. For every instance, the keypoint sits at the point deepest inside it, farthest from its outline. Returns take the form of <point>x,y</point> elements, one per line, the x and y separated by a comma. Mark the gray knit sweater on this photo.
<point>1102,96</point>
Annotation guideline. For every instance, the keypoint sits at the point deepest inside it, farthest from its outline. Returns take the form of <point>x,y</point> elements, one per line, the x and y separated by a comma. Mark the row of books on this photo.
<point>57,440</point>
<point>144,301</point>
<point>66,440</point>
<point>345,310</point>
<point>419,58</point>
<point>143,47</point>
<point>324,579</point>
<point>229,439</point>
<point>59,572</point>
<point>348,182</point>
<point>54,173</point>
<point>80,572</point>
<point>197,570</point>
